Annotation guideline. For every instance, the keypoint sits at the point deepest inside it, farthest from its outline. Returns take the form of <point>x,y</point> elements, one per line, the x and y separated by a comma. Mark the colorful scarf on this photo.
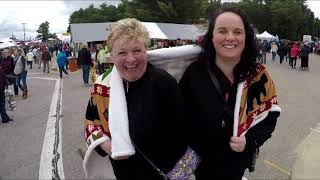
<point>111,106</point>
<point>256,97</point>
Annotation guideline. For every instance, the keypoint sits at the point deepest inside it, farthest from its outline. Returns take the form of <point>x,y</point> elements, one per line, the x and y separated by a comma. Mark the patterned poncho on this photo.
<point>256,97</point>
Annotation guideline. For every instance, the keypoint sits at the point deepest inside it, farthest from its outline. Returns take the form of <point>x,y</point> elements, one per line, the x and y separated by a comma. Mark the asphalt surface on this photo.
<point>22,140</point>
<point>298,93</point>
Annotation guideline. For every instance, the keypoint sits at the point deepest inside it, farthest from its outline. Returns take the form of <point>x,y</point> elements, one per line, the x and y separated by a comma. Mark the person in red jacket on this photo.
<point>294,55</point>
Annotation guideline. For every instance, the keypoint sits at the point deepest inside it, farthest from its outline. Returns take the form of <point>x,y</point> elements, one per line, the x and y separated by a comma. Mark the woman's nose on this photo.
<point>230,36</point>
<point>130,57</point>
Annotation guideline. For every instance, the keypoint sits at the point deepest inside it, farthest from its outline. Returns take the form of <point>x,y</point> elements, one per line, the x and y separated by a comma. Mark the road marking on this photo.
<point>277,167</point>
<point>44,78</point>
<point>33,73</point>
<point>316,130</point>
<point>51,163</point>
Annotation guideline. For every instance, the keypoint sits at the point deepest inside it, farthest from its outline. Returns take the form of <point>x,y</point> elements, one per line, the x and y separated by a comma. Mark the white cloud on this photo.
<point>315,7</point>
<point>33,13</point>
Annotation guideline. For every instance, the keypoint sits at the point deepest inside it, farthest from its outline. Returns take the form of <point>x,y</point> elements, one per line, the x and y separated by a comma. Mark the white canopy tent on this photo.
<point>154,30</point>
<point>266,36</point>
<point>7,42</point>
<point>90,32</point>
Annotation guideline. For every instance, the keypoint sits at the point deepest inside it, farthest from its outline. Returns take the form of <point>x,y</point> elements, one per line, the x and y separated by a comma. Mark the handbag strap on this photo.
<point>215,82</point>
<point>150,162</point>
<point>217,86</point>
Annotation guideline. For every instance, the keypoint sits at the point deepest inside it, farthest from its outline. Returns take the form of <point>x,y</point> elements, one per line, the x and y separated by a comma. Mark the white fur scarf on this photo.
<point>118,118</point>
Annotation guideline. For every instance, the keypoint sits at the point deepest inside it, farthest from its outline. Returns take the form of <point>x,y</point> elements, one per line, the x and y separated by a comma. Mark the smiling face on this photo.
<point>130,58</point>
<point>228,37</point>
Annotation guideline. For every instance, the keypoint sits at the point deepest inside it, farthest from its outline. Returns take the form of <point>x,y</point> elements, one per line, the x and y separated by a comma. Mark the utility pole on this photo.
<point>24,32</point>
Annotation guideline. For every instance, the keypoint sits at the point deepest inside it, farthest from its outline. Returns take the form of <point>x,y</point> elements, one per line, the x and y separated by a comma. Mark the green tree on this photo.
<point>289,19</point>
<point>43,32</point>
<point>286,17</point>
<point>212,6</point>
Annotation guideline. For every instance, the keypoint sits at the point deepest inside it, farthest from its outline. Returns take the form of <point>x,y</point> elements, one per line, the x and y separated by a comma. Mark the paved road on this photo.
<point>299,99</point>
<point>22,141</point>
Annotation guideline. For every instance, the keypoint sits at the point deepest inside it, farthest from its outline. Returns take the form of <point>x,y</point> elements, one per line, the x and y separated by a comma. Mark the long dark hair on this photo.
<point>247,65</point>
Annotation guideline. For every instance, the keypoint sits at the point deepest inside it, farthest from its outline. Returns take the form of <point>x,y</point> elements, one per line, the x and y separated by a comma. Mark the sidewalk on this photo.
<point>307,165</point>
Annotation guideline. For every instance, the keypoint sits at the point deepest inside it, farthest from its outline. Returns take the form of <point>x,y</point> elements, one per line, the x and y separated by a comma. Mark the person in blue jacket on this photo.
<point>61,60</point>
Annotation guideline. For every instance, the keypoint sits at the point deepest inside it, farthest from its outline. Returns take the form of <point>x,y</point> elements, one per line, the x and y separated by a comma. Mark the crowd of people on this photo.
<point>289,51</point>
<point>15,62</point>
<point>165,43</point>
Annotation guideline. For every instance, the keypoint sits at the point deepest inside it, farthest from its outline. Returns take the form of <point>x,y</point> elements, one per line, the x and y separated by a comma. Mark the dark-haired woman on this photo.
<point>231,99</point>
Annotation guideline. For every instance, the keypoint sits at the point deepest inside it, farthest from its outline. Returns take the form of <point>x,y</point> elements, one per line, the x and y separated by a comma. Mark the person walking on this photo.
<point>304,55</point>
<point>294,53</point>
<point>264,50</point>
<point>38,55</point>
<point>288,50</point>
<point>281,51</point>
<point>101,58</point>
<point>9,62</point>
<point>21,71</point>
<point>61,59</point>
<point>46,58</point>
<point>274,50</point>
<point>30,57</point>
<point>85,60</point>
<point>3,83</point>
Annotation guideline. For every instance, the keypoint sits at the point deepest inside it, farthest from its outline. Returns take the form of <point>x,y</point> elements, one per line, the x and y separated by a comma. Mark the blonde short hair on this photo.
<point>84,45</point>
<point>128,29</point>
<point>99,46</point>
<point>20,52</point>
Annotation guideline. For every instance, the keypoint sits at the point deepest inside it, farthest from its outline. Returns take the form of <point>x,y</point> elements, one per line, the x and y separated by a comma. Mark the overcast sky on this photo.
<point>33,13</point>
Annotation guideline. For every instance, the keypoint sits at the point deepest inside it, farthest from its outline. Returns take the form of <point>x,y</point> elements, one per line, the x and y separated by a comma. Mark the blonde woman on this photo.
<point>21,71</point>
<point>85,61</point>
<point>142,106</point>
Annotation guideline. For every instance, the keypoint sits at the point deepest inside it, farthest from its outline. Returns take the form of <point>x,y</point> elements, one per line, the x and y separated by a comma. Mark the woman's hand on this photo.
<point>106,146</point>
<point>238,144</point>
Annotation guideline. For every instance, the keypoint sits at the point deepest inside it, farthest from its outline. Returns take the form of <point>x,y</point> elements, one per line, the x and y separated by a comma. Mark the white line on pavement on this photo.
<point>316,130</point>
<point>51,166</point>
<point>34,73</point>
<point>43,78</point>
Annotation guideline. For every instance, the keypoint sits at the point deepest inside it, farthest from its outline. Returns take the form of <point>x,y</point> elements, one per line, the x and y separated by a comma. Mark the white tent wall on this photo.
<point>90,32</point>
<point>182,31</point>
<point>7,42</point>
<point>154,30</point>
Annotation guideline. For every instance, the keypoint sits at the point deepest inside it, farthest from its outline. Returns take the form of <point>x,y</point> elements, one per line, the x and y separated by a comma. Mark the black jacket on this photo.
<point>305,51</point>
<point>156,126</point>
<point>84,57</point>
<point>211,122</point>
<point>282,50</point>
